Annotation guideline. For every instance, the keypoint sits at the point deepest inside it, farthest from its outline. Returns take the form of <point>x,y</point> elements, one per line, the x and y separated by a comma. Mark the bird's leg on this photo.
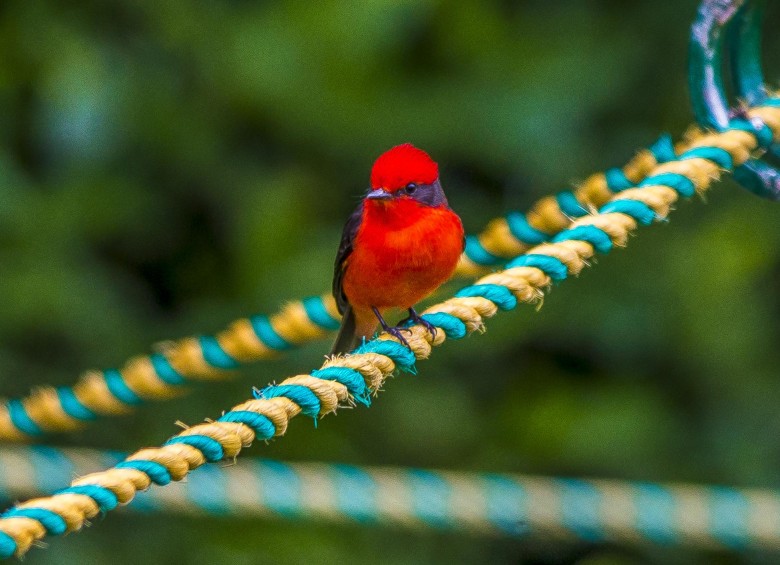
<point>414,317</point>
<point>393,331</point>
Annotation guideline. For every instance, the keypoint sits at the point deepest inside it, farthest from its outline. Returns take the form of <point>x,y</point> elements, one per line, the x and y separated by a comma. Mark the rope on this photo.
<point>163,374</point>
<point>352,378</point>
<point>558,509</point>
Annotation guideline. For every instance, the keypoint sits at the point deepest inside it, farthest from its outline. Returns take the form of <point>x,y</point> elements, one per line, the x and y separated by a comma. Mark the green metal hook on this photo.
<point>741,20</point>
<point>747,78</point>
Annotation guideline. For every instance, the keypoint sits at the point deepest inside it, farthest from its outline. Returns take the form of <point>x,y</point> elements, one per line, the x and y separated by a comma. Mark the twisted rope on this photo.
<point>494,504</point>
<point>162,375</point>
<point>353,378</point>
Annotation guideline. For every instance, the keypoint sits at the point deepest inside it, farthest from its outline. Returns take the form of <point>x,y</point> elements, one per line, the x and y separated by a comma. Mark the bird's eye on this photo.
<point>410,188</point>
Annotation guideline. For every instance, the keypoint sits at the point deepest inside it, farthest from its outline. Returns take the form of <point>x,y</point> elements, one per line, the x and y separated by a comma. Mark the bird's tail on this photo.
<point>352,331</point>
<point>347,339</point>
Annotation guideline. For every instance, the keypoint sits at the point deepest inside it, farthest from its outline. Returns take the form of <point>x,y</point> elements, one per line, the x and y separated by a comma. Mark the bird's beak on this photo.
<point>378,194</point>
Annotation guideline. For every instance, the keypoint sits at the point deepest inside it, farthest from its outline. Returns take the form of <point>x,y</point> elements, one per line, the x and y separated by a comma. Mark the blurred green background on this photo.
<point>166,167</point>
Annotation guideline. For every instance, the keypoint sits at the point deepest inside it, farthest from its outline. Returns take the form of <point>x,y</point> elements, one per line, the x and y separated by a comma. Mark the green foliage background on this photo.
<point>166,167</point>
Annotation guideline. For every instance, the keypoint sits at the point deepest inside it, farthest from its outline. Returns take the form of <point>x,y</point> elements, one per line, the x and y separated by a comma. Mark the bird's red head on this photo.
<point>403,165</point>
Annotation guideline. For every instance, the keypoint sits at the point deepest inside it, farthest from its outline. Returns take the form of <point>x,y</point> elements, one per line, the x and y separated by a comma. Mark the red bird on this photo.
<point>401,243</point>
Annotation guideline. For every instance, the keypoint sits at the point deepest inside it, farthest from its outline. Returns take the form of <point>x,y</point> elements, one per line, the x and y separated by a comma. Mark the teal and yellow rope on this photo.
<point>352,378</point>
<point>162,375</point>
<point>556,509</point>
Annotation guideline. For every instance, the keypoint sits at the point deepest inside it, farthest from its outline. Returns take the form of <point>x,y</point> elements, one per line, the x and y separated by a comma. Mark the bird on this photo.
<point>400,244</point>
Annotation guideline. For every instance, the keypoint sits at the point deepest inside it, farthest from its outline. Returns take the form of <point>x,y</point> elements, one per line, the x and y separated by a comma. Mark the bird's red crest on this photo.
<point>401,165</point>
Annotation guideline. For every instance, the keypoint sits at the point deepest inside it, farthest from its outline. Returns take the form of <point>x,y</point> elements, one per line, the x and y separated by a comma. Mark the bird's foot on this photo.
<point>394,331</point>
<point>415,318</point>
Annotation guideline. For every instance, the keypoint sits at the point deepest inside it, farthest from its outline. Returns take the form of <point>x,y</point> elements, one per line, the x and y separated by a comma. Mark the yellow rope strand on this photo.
<point>31,520</point>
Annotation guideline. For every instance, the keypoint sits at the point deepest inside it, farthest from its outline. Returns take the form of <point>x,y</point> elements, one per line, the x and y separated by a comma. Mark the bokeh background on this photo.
<point>166,167</point>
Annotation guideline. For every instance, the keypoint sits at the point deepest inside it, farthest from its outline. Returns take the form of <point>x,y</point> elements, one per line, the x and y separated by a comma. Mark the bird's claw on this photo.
<point>395,331</point>
<point>415,318</point>
<point>428,326</point>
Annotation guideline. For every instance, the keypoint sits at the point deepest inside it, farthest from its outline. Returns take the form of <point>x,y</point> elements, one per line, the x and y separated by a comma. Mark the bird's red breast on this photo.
<point>403,251</point>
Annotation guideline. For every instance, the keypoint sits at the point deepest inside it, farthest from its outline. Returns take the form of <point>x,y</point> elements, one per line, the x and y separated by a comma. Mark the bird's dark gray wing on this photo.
<point>345,250</point>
